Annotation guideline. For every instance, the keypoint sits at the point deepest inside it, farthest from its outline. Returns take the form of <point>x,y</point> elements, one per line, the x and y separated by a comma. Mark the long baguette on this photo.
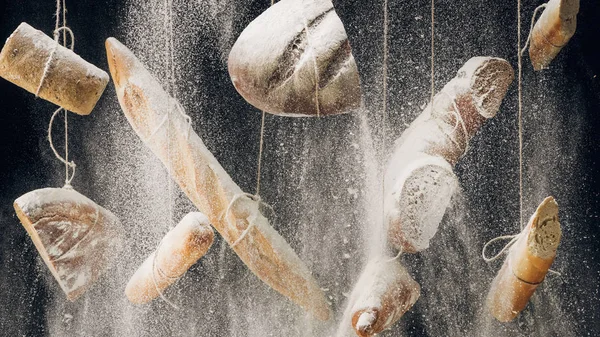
<point>527,264</point>
<point>419,174</point>
<point>152,114</point>
<point>178,251</point>
<point>70,82</point>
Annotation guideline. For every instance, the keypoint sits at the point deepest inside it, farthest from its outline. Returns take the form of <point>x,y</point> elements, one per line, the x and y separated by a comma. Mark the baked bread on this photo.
<point>295,60</point>
<point>71,82</point>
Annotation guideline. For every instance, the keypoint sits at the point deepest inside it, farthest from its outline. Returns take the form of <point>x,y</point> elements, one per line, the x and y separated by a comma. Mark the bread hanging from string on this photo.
<point>383,293</point>
<point>419,179</point>
<point>159,121</point>
<point>181,247</point>
<point>38,64</point>
<point>552,31</point>
<point>295,60</point>
<point>527,263</point>
<point>76,238</point>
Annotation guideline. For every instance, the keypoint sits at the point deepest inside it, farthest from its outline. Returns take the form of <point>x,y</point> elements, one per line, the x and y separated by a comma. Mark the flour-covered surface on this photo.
<point>70,82</point>
<point>322,176</point>
<point>181,247</point>
<point>419,178</point>
<point>75,237</point>
<point>295,60</point>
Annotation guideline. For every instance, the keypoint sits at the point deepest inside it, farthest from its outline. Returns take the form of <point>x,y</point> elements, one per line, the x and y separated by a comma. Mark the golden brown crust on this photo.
<point>71,82</point>
<point>552,31</point>
<point>178,251</point>
<point>525,268</point>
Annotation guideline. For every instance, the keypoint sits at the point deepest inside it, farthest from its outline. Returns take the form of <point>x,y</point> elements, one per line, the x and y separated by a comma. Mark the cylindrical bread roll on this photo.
<point>419,174</point>
<point>527,264</point>
<point>552,31</point>
<point>71,82</point>
<point>181,247</point>
<point>272,63</point>
<point>383,293</point>
<point>76,238</point>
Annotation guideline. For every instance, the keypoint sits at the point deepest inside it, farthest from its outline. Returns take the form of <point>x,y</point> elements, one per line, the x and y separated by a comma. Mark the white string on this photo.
<point>161,273</point>
<point>512,238</point>
<point>531,27</point>
<point>251,224</point>
<point>68,164</point>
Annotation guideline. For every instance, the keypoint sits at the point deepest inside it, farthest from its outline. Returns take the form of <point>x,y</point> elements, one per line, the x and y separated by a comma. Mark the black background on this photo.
<point>562,144</point>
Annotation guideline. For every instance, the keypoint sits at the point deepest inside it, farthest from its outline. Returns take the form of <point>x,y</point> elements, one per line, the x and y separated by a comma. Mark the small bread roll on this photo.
<point>71,82</point>
<point>76,238</point>
<point>272,63</point>
<point>552,31</point>
<point>527,264</point>
<point>178,251</point>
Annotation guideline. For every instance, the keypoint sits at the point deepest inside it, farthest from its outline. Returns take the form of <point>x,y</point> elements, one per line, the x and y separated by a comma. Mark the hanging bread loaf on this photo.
<point>75,237</point>
<point>153,115</point>
<point>295,60</point>
<point>383,293</point>
<point>177,252</point>
<point>527,264</point>
<point>419,178</point>
<point>70,81</point>
<point>552,31</point>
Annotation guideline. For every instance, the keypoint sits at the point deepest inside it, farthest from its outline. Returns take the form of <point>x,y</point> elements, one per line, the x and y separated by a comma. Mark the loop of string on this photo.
<point>512,238</point>
<point>251,224</point>
<point>56,33</point>
<point>68,164</point>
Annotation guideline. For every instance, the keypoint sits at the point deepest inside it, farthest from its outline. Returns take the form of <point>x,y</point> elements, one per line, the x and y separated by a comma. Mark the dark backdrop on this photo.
<point>561,158</point>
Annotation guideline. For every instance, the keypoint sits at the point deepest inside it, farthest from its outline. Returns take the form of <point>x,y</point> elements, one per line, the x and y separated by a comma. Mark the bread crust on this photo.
<point>71,82</point>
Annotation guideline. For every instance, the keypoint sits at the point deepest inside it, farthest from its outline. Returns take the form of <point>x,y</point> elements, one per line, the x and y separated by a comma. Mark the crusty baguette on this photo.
<point>178,251</point>
<point>552,31</point>
<point>527,263</point>
<point>383,293</point>
<point>272,63</point>
<point>419,174</point>
<point>152,114</point>
<point>71,82</point>
<point>75,237</point>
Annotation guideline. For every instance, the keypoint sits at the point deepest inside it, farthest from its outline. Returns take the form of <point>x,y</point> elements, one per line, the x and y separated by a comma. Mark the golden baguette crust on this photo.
<point>552,31</point>
<point>71,82</point>
<point>75,237</point>
<point>153,115</point>
<point>178,251</point>
<point>527,264</point>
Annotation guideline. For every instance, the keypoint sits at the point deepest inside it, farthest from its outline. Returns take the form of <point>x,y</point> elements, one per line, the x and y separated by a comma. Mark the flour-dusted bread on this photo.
<point>153,115</point>
<point>181,247</point>
<point>552,31</point>
<point>71,82</point>
<point>383,293</point>
<point>76,238</point>
<point>419,178</point>
<point>272,63</point>
<point>527,263</point>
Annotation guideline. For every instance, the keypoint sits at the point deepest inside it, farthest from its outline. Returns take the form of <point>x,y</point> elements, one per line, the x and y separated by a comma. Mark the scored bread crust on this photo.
<point>272,63</point>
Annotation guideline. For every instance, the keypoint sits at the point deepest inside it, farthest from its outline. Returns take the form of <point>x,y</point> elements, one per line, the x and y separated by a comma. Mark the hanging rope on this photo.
<point>261,143</point>
<point>56,33</point>
<point>432,51</point>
